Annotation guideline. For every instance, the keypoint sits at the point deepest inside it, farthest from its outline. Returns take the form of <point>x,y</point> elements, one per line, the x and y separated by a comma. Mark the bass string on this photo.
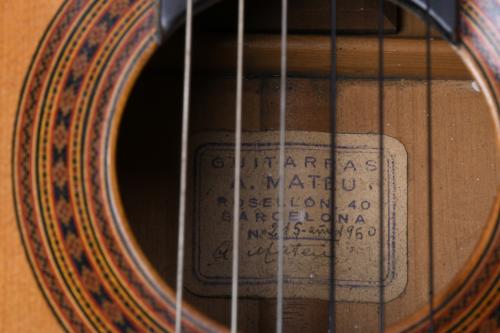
<point>184,161</point>
<point>429,164</point>
<point>429,161</point>
<point>381,161</point>
<point>282,140</point>
<point>282,173</point>
<point>237,169</point>
<point>333,130</point>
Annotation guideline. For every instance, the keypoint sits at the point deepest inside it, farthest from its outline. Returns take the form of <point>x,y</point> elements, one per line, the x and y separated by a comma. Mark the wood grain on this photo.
<point>466,168</point>
<point>309,55</point>
<point>22,306</point>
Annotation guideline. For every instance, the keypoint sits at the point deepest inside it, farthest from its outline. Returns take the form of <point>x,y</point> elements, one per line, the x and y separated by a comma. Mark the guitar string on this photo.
<point>429,161</point>
<point>184,151</point>
<point>333,130</point>
<point>184,161</point>
<point>281,194</point>
<point>381,162</point>
<point>237,169</point>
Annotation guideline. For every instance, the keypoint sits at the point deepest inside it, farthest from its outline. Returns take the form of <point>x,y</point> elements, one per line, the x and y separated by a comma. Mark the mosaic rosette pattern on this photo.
<point>480,34</point>
<point>74,237</point>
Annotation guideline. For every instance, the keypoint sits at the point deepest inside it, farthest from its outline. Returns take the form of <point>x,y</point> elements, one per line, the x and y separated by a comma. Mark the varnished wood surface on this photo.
<point>309,55</point>
<point>22,306</point>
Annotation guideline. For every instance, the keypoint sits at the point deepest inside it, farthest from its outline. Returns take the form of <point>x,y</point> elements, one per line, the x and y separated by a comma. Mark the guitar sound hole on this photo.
<point>464,165</point>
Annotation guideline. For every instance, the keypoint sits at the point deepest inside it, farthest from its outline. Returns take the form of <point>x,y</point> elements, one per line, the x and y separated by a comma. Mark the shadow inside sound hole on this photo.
<point>148,167</point>
<point>149,143</point>
<point>148,163</point>
<point>148,152</point>
<point>148,159</point>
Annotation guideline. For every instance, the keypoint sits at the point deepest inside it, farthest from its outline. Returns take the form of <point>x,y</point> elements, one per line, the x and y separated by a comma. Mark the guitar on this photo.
<point>389,224</point>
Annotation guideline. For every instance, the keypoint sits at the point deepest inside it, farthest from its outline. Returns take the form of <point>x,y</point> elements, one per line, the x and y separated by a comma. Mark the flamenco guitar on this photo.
<point>289,166</point>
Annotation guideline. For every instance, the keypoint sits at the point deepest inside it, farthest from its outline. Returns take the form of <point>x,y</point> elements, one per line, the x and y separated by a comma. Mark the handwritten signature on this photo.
<point>269,251</point>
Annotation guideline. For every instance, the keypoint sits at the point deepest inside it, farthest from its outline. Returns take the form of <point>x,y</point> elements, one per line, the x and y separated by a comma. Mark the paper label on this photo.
<point>307,216</point>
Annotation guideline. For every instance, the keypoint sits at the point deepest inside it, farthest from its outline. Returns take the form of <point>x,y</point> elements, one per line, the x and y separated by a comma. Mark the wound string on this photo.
<point>429,160</point>
<point>381,162</point>
<point>333,173</point>
<point>281,194</point>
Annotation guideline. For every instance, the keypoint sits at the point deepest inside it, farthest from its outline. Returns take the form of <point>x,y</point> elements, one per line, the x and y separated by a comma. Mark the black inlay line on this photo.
<point>381,305</point>
<point>333,131</point>
<point>429,162</point>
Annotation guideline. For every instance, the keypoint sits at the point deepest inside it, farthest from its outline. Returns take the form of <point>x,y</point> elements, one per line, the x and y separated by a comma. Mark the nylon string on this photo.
<point>429,161</point>
<point>237,169</point>
<point>381,161</point>
<point>184,158</point>
<point>333,174</point>
<point>281,194</point>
